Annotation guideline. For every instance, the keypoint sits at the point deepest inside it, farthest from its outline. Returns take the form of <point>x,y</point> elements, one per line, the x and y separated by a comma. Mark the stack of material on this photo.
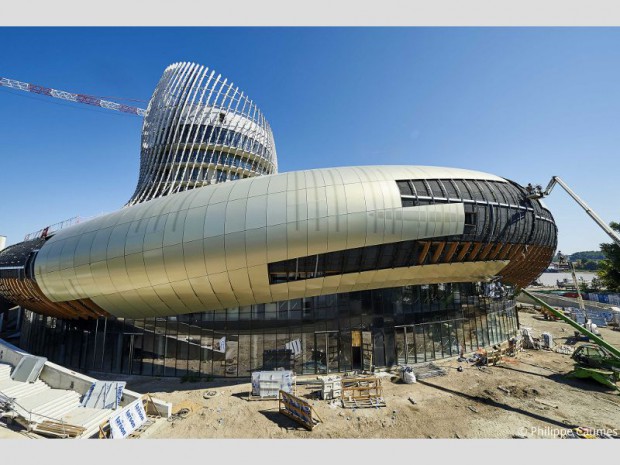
<point>47,411</point>
<point>547,340</point>
<point>331,387</point>
<point>427,370</point>
<point>529,341</point>
<point>267,384</point>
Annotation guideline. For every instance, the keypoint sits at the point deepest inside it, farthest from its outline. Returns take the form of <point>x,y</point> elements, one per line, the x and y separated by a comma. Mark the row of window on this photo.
<point>494,211</point>
<point>376,257</point>
<point>211,156</point>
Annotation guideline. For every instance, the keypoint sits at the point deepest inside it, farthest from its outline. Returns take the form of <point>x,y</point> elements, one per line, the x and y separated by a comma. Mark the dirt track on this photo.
<point>467,404</point>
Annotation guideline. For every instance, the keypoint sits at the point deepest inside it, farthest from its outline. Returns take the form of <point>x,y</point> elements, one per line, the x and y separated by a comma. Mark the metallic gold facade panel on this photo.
<point>116,243</point>
<point>214,222</point>
<point>296,205</point>
<point>173,231</point>
<point>276,243</point>
<point>215,254</point>
<point>356,202</point>
<point>100,273</point>
<point>136,270</point>
<point>220,283</point>
<point>204,292</point>
<point>240,190</point>
<point>52,259</point>
<point>317,230</point>
<point>316,198</point>
<point>166,293</point>
<point>195,224</point>
<point>259,186</point>
<point>259,283</point>
<point>202,197</point>
<point>297,287</point>
<point>278,183</point>
<point>256,246</point>
<point>155,266</point>
<point>99,249</point>
<point>240,283</point>
<point>135,236</point>
<point>356,226</point>
<point>337,232</point>
<point>174,260</point>
<point>84,277</point>
<point>66,259</point>
<point>235,216</point>
<point>185,292</point>
<point>234,246</point>
<point>221,194</point>
<point>118,274</point>
<point>256,212</point>
<point>276,208</point>
<point>297,239</point>
<point>194,259</point>
<point>154,236</point>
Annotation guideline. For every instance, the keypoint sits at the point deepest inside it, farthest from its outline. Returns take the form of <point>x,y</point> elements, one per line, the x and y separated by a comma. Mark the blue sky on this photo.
<point>522,103</point>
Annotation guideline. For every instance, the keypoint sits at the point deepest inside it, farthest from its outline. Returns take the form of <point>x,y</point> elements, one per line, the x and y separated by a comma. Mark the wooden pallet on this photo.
<point>362,392</point>
<point>368,402</point>
<point>57,429</point>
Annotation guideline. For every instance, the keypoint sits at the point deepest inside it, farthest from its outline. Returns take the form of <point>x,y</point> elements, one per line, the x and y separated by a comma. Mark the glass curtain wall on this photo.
<point>333,333</point>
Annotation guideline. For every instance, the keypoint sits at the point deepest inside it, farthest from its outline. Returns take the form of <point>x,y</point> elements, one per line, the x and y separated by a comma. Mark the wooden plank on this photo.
<point>464,250</point>
<point>436,255</point>
<point>451,251</point>
<point>475,250</point>
<point>424,253</point>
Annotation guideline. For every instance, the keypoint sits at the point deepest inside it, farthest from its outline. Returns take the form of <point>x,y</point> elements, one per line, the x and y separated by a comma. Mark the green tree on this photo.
<point>609,268</point>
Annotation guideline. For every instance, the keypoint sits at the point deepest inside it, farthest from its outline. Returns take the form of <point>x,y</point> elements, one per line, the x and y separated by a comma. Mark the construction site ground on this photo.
<point>527,396</point>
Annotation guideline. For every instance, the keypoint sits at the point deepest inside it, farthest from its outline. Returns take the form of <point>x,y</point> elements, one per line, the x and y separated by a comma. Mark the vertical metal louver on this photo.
<point>200,129</point>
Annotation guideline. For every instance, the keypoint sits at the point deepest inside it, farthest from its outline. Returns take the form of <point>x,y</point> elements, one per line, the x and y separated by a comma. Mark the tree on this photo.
<point>609,268</point>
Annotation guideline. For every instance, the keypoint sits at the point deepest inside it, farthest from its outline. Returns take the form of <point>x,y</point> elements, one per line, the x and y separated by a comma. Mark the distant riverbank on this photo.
<point>549,279</point>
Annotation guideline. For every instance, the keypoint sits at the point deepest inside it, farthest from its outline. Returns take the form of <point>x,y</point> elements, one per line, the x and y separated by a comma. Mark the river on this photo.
<point>549,279</point>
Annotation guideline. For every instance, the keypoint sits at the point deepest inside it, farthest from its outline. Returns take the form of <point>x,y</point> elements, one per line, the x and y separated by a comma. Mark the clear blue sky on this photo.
<point>522,103</point>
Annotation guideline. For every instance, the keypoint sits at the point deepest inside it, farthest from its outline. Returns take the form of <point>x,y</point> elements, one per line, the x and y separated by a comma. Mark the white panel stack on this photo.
<point>269,383</point>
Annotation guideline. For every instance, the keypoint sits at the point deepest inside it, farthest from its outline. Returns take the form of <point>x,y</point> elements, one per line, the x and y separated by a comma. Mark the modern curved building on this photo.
<point>319,270</point>
<point>200,129</point>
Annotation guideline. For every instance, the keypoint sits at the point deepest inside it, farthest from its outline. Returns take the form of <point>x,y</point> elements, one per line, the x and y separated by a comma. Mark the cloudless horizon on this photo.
<point>521,103</point>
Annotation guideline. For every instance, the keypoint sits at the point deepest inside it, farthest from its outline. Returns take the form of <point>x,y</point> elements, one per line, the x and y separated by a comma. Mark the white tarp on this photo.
<point>104,394</point>
<point>127,420</point>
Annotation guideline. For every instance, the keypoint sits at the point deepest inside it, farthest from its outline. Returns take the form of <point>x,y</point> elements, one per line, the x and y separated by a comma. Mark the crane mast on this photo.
<point>63,95</point>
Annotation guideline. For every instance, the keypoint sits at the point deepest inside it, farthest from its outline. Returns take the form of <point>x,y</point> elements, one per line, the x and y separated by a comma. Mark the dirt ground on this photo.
<point>528,396</point>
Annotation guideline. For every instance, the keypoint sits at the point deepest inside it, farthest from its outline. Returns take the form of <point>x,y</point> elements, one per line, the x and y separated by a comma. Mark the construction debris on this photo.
<point>564,349</point>
<point>427,370</point>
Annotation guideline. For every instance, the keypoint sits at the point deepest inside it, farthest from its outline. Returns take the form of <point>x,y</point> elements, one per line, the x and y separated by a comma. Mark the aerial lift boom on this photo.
<point>607,363</point>
<point>537,193</point>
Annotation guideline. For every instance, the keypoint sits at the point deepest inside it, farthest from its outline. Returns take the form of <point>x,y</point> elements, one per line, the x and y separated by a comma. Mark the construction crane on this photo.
<point>536,192</point>
<point>78,98</point>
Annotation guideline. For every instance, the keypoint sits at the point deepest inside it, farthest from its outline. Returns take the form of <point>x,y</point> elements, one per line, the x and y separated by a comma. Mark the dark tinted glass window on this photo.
<point>465,193</point>
<point>450,188</point>
<point>420,188</point>
<point>404,187</point>
<point>436,188</point>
